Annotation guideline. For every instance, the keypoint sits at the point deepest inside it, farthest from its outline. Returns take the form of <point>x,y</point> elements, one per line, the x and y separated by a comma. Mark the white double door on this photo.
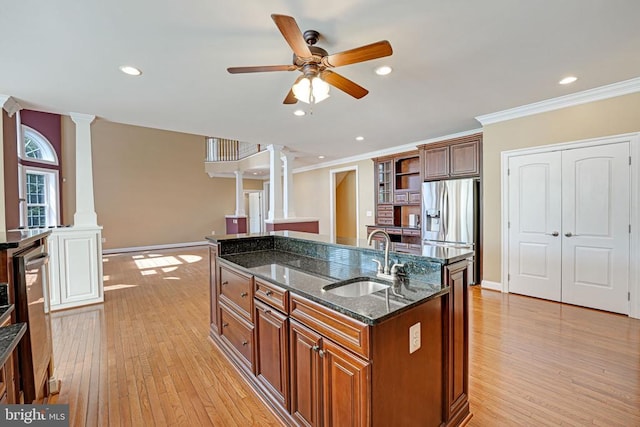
<point>569,226</point>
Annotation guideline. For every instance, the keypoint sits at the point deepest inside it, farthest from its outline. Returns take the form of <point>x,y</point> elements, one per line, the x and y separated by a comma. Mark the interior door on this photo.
<point>534,230</point>
<point>595,226</point>
<point>255,212</point>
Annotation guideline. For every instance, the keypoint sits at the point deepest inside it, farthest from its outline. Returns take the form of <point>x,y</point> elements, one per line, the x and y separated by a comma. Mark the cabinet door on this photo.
<point>383,181</point>
<point>213,289</point>
<point>305,374</point>
<point>456,343</point>
<point>272,361</point>
<point>436,163</point>
<point>465,159</point>
<point>345,386</point>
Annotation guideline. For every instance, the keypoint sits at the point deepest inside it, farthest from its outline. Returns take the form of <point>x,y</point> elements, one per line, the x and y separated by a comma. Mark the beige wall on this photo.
<point>150,187</point>
<point>596,119</point>
<point>312,195</point>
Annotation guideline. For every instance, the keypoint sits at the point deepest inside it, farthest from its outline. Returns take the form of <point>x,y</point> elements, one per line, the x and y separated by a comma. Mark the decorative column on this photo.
<point>239,194</point>
<point>287,183</point>
<point>85,215</point>
<point>275,180</point>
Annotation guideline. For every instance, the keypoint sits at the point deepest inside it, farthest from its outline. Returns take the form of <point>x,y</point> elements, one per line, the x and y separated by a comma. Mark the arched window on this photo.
<point>39,173</point>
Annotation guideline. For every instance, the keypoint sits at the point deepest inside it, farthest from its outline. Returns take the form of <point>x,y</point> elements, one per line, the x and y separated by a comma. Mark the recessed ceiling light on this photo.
<point>299,113</point>
<point>383,70</point>
<point>359,138</point>
<point>321,157</point>
<point>255,173</point>
<point>132,71</point>
<point>567,80</point>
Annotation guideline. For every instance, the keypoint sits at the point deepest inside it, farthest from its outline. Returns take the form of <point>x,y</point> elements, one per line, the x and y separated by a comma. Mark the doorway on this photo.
<point>344,203</point>
<point>255,208</point>
<point>568,224</point>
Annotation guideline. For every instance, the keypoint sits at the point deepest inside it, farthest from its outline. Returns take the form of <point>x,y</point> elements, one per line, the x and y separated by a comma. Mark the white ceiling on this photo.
<point>453,60</point>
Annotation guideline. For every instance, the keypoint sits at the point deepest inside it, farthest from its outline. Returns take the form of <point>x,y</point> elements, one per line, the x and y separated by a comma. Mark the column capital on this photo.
<point>80,118</point>
<point>9,104</point>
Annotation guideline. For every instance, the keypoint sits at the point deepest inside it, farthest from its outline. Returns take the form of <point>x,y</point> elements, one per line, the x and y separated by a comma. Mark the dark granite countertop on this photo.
<point>5,312</point>
<point>16,238</point>
<point>307,276</point>
<point>445,255</point>
<point>9,338</point>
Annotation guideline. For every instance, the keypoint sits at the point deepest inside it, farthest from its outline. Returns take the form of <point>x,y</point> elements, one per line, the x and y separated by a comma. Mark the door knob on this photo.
<point>568,234</point>
<point>554,234</point>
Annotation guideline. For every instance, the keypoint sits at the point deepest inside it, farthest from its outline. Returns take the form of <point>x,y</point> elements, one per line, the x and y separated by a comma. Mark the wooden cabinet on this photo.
<point>455,158</point>
<point>236,290</point>
<point>272,352</point>
<point>345,387</point>
<point>305,374</point>
<point>398,186</point>
<point>456,343</point>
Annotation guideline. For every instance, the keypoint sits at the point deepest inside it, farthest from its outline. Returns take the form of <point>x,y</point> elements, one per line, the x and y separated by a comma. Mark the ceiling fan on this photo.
<point>315,64</point>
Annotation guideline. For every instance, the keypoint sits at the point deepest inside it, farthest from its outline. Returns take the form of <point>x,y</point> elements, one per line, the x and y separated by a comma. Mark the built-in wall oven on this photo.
<point>32,307</point>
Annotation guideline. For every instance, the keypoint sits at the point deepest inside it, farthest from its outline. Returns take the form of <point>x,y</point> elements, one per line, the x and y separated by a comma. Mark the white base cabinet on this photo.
<point>75,271</point>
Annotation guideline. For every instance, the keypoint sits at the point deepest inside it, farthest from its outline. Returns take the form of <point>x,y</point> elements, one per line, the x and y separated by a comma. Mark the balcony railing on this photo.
<point>226,150</point>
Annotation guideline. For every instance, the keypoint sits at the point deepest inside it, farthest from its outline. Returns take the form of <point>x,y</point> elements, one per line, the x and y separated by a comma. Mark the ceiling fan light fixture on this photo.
<point>311,91</point>
<point>384,70</point>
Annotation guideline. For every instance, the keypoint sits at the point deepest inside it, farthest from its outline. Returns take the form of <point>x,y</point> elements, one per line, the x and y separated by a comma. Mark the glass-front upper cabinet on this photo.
<point>384,174</point>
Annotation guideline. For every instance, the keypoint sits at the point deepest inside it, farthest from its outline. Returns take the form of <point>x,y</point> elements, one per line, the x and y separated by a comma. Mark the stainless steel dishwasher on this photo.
<point>32,307</point>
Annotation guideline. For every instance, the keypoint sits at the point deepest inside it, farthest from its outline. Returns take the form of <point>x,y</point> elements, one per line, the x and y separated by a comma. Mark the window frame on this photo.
<point>50,157</point>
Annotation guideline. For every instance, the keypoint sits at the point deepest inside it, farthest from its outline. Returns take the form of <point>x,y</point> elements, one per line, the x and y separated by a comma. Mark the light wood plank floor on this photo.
<point>143,357</point>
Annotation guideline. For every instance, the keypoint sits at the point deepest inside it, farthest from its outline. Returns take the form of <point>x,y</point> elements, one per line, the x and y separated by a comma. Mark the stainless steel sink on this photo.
<point>355,287</point>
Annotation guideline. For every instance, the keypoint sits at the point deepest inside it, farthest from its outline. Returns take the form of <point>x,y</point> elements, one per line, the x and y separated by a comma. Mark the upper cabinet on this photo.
<point>384,189</point>
<point>454,158</point>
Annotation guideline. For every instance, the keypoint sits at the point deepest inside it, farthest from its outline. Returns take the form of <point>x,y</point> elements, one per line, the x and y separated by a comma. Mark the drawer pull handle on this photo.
<point>318,350</point>
<point>267,311</point>
<point>243,294</point>
<point>268,293</point>
<point>225,283</point>
<point>244,343</point>
<point>224,325</point>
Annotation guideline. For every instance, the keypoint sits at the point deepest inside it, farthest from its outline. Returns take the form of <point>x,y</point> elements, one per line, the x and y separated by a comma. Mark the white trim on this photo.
<point>385,152</point>
<point>9,104</point>
<point>332,199</point>
<point>290,220</point>
<point>634,252</point>
<point>154,247</point>
<point>52,182</point>
<point>603,92</point>
<point>493,286</point>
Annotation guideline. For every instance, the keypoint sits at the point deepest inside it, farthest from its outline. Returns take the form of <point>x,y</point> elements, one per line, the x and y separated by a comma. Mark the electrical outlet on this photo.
<point>104,239</point>
<point>213,232</point>
<point>369,213</point>
<point>414,338</point>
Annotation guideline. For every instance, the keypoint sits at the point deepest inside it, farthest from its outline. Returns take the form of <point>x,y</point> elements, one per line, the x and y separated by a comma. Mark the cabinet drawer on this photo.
<point>401,197</point>
<point>238,333</point>
<point>385,214</point>
<point>385,221</point>
<point>409,232</point>
<point>236,289</point>
<point>396,231</point>
<point>273,295</point>
<point>342,329</point>
<point>385,208</point>
<point>415,197</point>
<point>3,378</point>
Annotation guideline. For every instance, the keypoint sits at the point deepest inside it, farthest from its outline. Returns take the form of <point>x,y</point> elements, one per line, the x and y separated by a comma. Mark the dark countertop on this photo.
<point>5,312</point>
<point>10,336</point>
<point>16,238</point>
<point>445,255</point>
<point>306,276</point>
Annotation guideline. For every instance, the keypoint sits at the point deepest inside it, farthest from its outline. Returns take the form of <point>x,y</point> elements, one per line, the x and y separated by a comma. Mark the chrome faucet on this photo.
<point>383,272</point>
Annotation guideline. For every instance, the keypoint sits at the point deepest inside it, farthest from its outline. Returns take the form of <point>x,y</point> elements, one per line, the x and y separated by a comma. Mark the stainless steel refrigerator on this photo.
<point>450,216</point>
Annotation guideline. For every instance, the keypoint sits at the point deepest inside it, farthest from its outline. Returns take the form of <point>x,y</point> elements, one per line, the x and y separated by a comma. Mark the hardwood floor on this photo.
<point>144,357</point>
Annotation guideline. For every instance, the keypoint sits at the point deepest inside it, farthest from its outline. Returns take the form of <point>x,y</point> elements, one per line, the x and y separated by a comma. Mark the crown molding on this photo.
<point>603,92</point>
<point>386,152</point>
<point>9,104</point>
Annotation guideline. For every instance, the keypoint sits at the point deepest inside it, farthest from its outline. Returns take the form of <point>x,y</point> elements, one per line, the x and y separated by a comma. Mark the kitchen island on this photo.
<point>326,339</point>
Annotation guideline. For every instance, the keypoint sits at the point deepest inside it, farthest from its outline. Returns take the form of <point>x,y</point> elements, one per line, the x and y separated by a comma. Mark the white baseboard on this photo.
<point>154,247</point>
<point>494,286</point>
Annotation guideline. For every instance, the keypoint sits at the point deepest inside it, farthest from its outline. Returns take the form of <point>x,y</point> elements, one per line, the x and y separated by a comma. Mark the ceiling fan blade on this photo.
<point>291,33</point>
<point>260,69</point>
<point>343,83</point>
<point>360,54</point>
<point>291,98</point>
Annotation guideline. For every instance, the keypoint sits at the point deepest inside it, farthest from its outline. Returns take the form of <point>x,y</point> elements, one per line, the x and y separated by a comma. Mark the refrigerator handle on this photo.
<point>444,217</point>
